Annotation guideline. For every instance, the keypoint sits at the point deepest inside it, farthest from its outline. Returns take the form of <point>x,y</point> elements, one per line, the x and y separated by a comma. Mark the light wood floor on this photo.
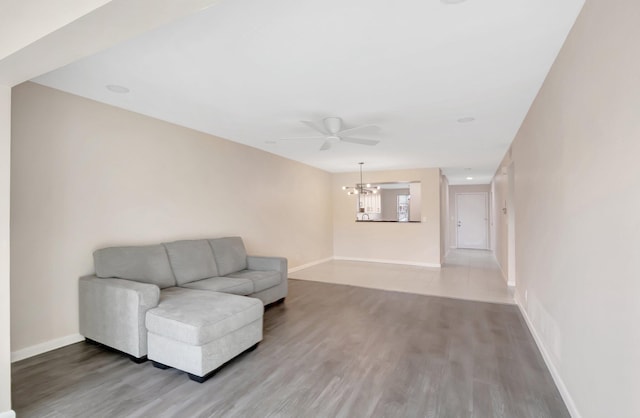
<point>329,351</point>
<point>466,274</point>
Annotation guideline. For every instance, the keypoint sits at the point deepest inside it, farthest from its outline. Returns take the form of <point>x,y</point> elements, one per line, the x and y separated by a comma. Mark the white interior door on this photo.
<point>472,217</point>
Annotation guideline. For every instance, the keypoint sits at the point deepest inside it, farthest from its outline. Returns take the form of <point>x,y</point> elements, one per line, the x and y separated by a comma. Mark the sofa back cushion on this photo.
<point>191,260</point>
<point>146,264</point>
<point>230,254</point>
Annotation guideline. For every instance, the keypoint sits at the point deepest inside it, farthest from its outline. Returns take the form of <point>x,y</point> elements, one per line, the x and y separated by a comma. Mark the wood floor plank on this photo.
<point>329,351</point>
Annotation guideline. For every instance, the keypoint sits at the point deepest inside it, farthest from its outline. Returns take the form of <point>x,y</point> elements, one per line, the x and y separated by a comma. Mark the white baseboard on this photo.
<point>562,388</point>
<point>34,350</point>
<point>376,260</point>
<point>311,264</point>
<point>8,414</point>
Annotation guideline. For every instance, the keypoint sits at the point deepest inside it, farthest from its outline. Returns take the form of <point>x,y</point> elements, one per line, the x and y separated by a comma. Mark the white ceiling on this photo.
<point>250,70</point>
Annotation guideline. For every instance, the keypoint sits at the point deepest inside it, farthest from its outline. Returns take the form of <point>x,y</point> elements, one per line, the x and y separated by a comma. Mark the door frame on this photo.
<point>486,220</point>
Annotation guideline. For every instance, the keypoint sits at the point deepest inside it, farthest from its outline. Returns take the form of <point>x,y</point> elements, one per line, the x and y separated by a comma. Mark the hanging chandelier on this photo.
<point>361,188</point>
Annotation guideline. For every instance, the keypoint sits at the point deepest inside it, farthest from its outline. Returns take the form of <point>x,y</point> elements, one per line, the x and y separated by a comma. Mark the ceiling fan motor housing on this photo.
<point>333,124</point>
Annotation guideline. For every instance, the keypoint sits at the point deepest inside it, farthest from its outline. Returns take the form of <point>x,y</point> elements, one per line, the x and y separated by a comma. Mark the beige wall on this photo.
<point>417,243</point>
<point>577,198</point>
<point>86,175</point>
<point>473,188</point>
<point>415,208</point>
<point>444,217</point>
<point>500,218</point>
<point>5,163</point>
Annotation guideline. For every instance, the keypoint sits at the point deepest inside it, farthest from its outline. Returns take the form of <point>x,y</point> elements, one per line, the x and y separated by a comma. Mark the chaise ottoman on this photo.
<point>197,331</point>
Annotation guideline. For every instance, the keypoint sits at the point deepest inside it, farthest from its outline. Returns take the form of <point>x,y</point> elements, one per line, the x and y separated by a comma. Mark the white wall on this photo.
<point>453,208</point>
<point>5,323</point>
<point>86,175</point>
<point>412,243</point>
<point>577,201</point>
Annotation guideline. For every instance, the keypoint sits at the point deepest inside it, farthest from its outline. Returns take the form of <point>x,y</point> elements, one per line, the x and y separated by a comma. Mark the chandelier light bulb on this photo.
<point>361,188</point>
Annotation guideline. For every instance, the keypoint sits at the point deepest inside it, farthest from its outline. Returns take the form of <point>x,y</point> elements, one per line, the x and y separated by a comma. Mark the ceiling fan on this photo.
<point>332,132</point>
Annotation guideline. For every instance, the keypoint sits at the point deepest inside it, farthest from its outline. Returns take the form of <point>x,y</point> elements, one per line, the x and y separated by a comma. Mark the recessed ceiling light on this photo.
<point>469,178</point>
<point>466,119</point>
<point>117,89</point>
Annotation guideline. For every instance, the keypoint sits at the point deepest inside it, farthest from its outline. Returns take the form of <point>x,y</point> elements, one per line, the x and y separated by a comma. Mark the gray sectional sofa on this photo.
<point>192,305</point>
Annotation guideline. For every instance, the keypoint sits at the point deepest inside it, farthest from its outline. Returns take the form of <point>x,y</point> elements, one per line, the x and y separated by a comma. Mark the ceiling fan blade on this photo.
<point>316,127</point>
<point>360,129</point>
<point>360,141</point>
<point>325,146</point>
<point>301,138</point>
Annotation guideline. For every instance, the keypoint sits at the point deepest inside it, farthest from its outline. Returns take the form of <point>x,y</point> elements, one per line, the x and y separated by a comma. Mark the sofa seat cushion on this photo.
<point>197,317</point>
<point>223,284</point>
<point>262,279</point>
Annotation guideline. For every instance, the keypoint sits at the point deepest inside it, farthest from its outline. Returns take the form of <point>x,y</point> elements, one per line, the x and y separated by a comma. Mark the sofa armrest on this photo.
<point>267,263</point>
<point>279,264</point>
<point>112,312</point>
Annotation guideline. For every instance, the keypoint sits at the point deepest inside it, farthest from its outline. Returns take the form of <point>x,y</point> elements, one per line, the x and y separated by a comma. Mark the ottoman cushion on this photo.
<point>197,317</point>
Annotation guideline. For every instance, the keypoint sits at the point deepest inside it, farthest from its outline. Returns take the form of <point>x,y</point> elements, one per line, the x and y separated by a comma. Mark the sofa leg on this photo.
<point>202,379</point>
<point>159,365</point>
<point>277,302</point>
<point>137,360</point>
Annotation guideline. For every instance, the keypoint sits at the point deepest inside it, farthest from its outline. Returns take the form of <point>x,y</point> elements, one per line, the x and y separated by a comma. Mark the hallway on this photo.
<point>466,274</point>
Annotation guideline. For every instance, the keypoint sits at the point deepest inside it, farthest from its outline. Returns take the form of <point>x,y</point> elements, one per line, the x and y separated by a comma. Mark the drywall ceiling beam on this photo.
<point>109,24</point>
